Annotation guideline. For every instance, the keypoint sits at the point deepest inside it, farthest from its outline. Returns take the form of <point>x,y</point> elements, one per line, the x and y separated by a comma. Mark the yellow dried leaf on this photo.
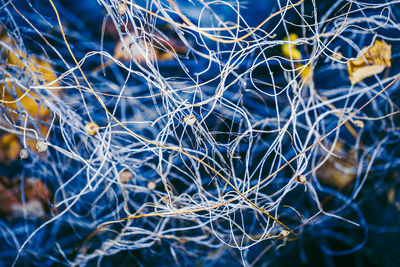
<point>305,71</point>
<point>360,74</point>
<point>9,147</point>
<point>370,61</point>
<point>290,50</point>
<point>40,72</point>
<point>29,101</point>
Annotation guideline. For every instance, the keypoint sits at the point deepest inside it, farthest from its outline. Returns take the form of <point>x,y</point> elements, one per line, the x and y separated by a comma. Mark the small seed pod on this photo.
<point>125,176</point>
<point>122,8</point>
<point>151,185</point>
<point>337,55</point>
<point>41,146</point>
<point>301,179</point>
<point>284,233</point>
<point>92,128</point>
<point>23,154</point>
<point>391,195</point>
<point>190,119</point>
<point>359,124</point>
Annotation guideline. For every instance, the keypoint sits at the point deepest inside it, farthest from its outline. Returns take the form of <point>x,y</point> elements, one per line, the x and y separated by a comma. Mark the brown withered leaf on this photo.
<point>37,197</point>
<point>140,49</point>
<point>370,61</point>
<point>338,172</point>
<point>163,47</point>
<point>131,46</point>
